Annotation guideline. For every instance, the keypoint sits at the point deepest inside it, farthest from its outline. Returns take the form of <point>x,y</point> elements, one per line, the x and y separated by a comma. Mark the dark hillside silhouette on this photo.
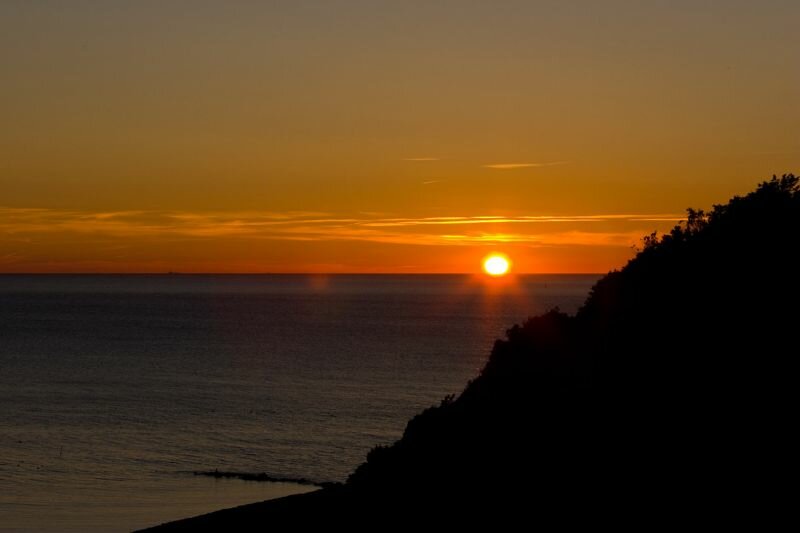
<point>670,394</point>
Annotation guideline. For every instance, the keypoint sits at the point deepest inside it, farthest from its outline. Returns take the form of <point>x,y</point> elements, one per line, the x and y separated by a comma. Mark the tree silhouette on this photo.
<point>673,371</point>
<point>669,396</point>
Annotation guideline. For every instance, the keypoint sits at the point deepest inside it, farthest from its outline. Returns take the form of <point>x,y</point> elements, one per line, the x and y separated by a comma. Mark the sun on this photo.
<point>496,265</point>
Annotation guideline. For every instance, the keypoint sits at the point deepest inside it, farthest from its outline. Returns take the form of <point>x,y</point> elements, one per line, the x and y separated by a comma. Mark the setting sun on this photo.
<point>496,265</point>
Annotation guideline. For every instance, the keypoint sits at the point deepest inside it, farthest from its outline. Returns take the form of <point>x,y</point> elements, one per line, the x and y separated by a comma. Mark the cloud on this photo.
<point>571,238</point>
<point>432,221</point>
<point>512,166</point>
<point>421,159</point>
<point>138,225</point>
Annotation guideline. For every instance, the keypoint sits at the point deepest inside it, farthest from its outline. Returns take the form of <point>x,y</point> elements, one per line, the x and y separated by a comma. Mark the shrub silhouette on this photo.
<point>672,383</point>
<point>669,396</point>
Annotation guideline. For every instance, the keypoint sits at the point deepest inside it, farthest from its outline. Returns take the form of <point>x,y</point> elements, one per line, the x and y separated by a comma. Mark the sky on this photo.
<point>370,136</point>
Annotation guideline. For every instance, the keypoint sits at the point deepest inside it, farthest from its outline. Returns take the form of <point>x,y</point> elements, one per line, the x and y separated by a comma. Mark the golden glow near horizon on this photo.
<point>346,136</point>
<point>496,265</point>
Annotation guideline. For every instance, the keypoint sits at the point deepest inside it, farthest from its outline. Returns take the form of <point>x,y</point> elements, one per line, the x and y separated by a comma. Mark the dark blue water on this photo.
<point>114,388</point>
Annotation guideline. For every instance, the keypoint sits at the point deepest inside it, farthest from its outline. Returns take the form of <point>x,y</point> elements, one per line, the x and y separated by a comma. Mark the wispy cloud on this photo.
<point>421,159</point>
<point>431,221</point>
<point>560,238</point>
<point>431,182</point>
<point>34,223</point>
<point>512,166</point>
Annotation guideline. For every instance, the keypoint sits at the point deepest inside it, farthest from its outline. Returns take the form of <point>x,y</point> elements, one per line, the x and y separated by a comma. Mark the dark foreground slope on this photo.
<point>670,394</point>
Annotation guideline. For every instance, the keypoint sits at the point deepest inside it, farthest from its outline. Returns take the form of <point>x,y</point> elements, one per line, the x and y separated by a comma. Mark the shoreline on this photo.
<point>262,477</point>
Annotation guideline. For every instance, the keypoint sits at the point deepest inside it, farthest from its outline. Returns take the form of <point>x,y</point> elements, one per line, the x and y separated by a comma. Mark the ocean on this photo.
<point>114,389</point>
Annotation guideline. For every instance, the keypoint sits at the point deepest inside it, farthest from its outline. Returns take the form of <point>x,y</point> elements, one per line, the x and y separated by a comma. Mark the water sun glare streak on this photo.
<point>496,265</point>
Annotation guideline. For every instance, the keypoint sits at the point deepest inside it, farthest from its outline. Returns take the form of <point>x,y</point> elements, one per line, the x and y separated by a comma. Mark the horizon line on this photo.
<point>176,273</point>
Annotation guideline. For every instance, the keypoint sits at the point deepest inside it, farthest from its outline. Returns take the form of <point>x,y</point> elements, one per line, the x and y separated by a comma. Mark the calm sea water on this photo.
<point>113,389</point>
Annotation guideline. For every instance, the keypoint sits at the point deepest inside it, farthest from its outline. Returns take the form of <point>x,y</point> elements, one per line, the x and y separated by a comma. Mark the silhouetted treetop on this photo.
<point>676,367</point>
<point>669,396</point>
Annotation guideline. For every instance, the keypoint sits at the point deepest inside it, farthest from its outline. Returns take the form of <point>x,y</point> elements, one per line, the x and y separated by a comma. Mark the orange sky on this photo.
<point>347,136</point>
